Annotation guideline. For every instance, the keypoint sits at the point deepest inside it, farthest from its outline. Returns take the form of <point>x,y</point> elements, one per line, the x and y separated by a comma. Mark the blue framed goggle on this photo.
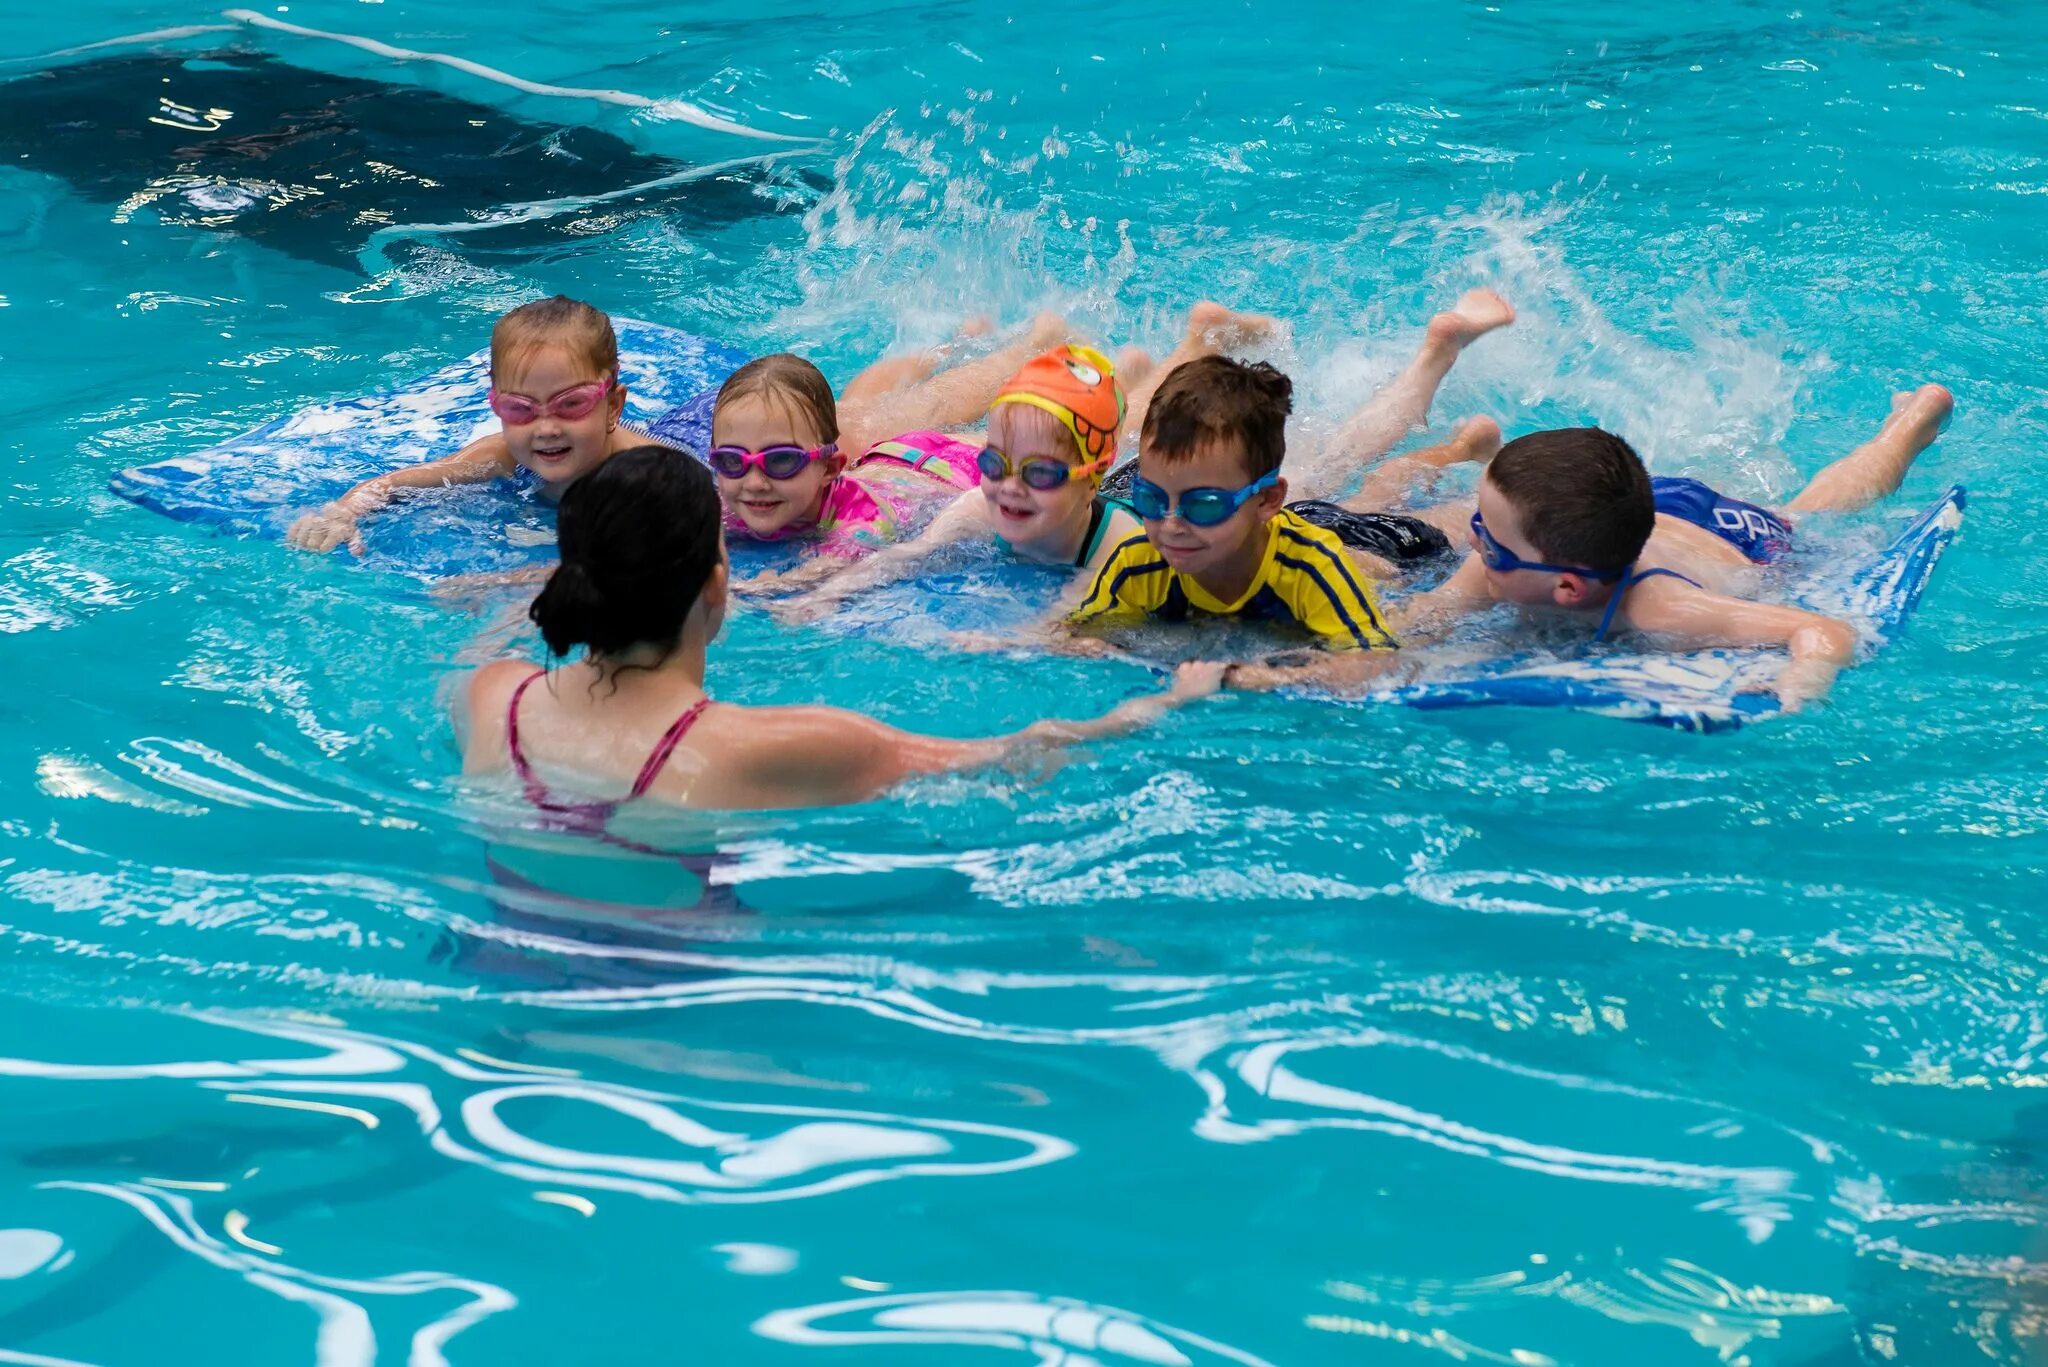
<point>1197,507</point>
<point>1501,560</point>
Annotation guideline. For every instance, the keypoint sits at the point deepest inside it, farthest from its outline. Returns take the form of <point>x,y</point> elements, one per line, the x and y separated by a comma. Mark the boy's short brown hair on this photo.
<point>1581,495</point>
<point>1214,400</point>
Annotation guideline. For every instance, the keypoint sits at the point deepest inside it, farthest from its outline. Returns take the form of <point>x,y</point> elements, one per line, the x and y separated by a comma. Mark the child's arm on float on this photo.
<point>1677,614</point>
<point>1347,671</point>
<point>1087,606</point>
<point>1429,615</point>
<point>837,578</point>
<point>1354,648</point>
<point>485,459</point>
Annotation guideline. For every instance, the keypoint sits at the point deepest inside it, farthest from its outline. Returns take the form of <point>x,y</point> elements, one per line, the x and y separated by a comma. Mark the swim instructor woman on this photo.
<point>643,588</point>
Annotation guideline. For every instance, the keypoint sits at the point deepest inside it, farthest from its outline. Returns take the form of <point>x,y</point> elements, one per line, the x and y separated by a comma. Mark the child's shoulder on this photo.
<point>1304,549</point>
<point>1664,599</point>
<point>1293,524</point>
<point>1119,529</point>
<point>1119,561</point>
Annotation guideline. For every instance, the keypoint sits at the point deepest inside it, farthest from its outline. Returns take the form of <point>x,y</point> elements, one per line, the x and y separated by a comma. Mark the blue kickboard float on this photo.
<point>259,483</point>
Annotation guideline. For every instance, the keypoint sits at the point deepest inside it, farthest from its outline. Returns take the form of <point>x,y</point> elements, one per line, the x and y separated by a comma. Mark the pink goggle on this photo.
<point>517,410</point>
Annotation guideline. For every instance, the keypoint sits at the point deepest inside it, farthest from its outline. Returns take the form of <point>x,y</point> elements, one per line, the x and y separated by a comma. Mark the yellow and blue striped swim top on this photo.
<point>1306,578</point>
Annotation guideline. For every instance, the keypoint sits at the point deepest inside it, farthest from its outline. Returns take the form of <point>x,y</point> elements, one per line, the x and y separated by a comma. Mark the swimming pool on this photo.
<point>1281,1034</point>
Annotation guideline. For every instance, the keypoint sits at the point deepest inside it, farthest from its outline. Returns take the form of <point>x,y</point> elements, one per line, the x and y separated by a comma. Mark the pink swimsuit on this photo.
<point>591,816</point>
<point>565,914</point>
<point>860,516</point>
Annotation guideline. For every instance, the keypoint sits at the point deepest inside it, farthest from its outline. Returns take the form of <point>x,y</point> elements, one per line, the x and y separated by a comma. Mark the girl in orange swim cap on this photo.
<point>1053,432</point>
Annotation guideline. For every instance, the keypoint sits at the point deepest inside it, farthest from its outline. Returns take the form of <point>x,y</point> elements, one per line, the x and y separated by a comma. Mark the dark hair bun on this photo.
<point>571,611</point>
<point>639,538</point>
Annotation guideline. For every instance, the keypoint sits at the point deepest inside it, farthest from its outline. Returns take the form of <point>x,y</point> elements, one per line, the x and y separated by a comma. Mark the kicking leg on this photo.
<point>1135,366</point>
<point>894,372</point>
<point>952,398</point>
<point>1453,519</point>
<point>1212,330</point>
<point>1876,468</point>
<point>1403,405</point>
<point>1396,481</point>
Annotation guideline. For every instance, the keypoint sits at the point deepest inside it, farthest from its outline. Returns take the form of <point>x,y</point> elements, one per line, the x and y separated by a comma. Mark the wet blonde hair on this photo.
<point>574,326</point>
<point>1016,422</point>
<point>799,387</point>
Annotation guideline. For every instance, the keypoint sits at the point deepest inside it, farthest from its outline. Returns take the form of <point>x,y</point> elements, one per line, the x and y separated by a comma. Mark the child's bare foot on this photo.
<point>1047,330</point>
<point>1478,313</point>
<point>1929,408</point>
<point>1134,365</point>
<point>980,325</point>
<point>1476,441</point>
<point>1213,328</point>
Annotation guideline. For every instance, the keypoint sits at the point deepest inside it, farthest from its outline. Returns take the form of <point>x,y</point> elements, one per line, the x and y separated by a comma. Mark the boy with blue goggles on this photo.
<point>1218,538</point>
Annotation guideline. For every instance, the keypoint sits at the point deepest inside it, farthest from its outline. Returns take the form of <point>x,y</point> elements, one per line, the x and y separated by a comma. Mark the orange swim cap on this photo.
<point>1077,385</point>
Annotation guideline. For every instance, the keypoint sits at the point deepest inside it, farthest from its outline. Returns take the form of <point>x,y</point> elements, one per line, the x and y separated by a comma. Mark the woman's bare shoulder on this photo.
<point>492,685</point>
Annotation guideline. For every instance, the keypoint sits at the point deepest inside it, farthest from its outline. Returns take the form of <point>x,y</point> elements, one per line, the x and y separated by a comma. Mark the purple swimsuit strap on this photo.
<point>535,793</point>
<point>593,812</point>
<point>666,746</point>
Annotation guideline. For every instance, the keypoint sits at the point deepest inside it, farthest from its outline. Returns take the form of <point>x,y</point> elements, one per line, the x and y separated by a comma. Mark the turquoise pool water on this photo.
<point>1282,1034</point>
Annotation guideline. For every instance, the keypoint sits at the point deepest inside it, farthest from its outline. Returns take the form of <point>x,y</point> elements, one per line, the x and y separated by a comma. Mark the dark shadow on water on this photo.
<point>312,164</point>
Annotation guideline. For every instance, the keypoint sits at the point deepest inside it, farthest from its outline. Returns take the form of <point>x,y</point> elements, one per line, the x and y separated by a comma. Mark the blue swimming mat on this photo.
<point>257,484</point>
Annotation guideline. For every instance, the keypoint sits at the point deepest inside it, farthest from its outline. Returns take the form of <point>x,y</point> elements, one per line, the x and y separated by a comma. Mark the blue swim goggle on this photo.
<point>1198,507</point>
<point>1501,560</point>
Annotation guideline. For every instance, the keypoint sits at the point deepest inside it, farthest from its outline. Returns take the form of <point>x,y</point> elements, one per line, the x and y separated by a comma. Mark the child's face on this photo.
<point>1531,588</point>
<point>559,450</point>
<point>767,506</point>
<point>1018,512</point>
<point>1201,552</point>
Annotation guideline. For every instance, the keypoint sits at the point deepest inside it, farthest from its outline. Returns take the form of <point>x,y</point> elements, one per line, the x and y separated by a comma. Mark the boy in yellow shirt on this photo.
<point>1218,538</point>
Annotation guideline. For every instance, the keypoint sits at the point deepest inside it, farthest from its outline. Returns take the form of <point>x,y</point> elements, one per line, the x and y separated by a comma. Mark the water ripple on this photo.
<point>1056,1331</point>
